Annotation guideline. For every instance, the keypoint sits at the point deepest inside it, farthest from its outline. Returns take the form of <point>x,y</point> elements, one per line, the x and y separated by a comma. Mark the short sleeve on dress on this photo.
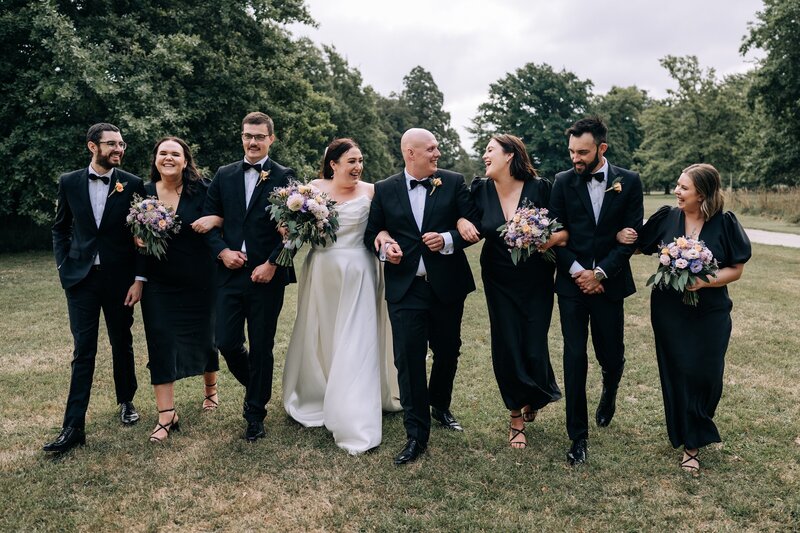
<point>651,234</point>
<point>544,191</point>
<point>477,191</point>
<point>737,243</point>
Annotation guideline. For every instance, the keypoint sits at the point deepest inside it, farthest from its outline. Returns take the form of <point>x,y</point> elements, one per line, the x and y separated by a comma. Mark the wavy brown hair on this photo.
<point>708,184</point>
<point>520,167</point>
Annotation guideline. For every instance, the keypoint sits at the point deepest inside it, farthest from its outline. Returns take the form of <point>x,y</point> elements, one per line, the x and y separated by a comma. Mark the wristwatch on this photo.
<point>599,275</point>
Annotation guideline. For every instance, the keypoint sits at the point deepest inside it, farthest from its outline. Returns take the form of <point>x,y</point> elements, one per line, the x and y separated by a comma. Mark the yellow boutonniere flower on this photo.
<point>264,176</point>
<point>616,186</point>
<point>435,182</point>
<point>118,187</point>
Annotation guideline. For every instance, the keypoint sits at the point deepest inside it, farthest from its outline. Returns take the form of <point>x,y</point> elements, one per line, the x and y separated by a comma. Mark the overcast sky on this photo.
<point>469,44</point>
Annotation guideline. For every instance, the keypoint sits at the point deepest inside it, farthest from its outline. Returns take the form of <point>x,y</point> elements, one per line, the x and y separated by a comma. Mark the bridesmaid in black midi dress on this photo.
<point>519,297</point>
<point>691,341</point>
<point>178,297</point>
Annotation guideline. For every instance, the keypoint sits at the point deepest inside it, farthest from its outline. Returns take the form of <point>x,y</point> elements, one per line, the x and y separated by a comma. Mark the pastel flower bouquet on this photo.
<point>529,228</point>
<point>154,223</point>
<point>308,215</point>
<point>682,263</point>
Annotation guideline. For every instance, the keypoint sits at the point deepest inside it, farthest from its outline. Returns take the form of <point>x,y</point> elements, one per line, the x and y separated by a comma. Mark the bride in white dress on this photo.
<point>339,369</point>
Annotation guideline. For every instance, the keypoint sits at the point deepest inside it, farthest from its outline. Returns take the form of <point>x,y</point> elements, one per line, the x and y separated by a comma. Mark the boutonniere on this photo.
<point>616,186</point>
<point>264,176</point>
<point>435,182</point>
<point>118,187</point>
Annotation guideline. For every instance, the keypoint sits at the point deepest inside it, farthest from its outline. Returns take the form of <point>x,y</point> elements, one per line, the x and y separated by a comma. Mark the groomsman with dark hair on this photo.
<point>97,264</point>
<point>250,284</point>
<point>594,200</point>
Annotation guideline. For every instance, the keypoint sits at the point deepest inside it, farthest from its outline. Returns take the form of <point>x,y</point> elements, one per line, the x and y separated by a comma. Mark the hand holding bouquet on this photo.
<point>682,263</point>
<point>154,223</point>
<point>308,215</point>
<point>529,228</point>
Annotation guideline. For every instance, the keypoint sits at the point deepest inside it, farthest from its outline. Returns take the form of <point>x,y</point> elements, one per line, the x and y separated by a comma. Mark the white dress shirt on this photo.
<point>417,197</point>
<point>597,191</point>
<point>98,194</point>
<point>250,181</point>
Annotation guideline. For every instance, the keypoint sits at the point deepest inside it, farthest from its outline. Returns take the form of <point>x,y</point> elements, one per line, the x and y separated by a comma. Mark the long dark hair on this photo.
<point>521,167</point>
<point>190,174</point>
<point>336,149</point>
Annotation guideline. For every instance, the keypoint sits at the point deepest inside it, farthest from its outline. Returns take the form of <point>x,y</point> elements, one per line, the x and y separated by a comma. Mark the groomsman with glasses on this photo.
<point>98,266</point>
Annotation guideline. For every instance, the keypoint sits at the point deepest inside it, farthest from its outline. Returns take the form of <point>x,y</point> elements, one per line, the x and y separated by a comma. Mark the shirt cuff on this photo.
<point>140,278</point>
<point>575,268</point>
<point>448,243</point>
<point>601,270</point>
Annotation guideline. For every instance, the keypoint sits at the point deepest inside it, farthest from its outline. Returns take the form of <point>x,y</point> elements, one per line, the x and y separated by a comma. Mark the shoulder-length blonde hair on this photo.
<point>709,186</point>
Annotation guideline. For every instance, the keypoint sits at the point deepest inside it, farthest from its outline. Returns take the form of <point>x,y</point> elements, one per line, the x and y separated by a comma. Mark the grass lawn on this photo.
<point>207,478</point>
<point>764,222</point>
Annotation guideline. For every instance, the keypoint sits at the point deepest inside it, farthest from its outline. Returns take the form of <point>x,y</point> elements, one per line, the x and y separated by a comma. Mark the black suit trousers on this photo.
<point>606,318</point>
<point>240,300</point>
<point>100,290</point>
<point>418,320</point>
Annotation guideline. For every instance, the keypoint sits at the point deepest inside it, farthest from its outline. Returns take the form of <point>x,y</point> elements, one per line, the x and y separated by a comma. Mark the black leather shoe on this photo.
<point>128,414</point>
<point>255,431</point>
<point>577,452</point>
<point>410,453</point>
<point>66,440</point>
<point>446,419</point>
<point>608,399</point>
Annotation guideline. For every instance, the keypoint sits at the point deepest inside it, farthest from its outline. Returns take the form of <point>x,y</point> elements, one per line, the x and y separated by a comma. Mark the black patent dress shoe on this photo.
<point>255,431</point>
<point>446,419</point>
<point>66,440</point>
<point>410,453</point>
<point>607,406</point>
<point>577,452</point>
<point>128,414</point>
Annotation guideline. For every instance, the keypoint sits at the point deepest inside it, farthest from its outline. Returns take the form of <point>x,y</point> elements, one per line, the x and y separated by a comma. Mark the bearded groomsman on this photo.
<point>97,264</point>
<point>594,200</point>
<point>250,283</point>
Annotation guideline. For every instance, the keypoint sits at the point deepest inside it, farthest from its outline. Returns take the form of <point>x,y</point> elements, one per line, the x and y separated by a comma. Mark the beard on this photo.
<point>103,161</point>
<point>590,167</point>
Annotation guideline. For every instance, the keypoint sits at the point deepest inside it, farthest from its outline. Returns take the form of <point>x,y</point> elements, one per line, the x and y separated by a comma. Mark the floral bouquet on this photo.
<point>308,215</point>
<point>154,223</point>
<point>683,262</point>
<point>529,228</point>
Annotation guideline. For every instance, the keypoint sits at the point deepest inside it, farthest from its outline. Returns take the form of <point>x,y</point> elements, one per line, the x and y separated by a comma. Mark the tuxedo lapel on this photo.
<point>113,196</point>
<point>82,186</point>
<point>430,199</point>
<point>583,194</point>
<point>237,179</point>
<point>401,189</point>
<point>610,195</point>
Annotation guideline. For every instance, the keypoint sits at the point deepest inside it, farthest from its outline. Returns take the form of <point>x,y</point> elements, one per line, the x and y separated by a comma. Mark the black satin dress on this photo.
<point>691,341</point>
<point>520,302</point>
<point>178,299</point>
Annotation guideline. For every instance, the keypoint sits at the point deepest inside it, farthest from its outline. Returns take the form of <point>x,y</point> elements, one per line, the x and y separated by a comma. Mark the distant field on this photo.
<point>749,220</point>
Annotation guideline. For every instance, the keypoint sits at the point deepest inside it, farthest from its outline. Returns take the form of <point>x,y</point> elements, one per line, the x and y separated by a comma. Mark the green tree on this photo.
<point>537,104</point>
<point>776,92</point>
<point>702,121</point>
<point>621,108</point>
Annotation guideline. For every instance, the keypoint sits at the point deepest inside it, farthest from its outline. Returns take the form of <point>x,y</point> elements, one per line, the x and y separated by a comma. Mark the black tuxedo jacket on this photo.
<point>449,275</point>
<point>246,223</point>
<point>593,243</point>
<point>76,237</point>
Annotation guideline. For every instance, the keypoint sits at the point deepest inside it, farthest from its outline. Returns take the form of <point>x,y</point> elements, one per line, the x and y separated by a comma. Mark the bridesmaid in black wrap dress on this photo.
<point>177,303</point>
<point>691,341</point>
<point>519,297</point>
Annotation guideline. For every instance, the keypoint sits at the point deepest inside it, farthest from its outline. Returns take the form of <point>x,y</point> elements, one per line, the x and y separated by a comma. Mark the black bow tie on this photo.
<point>247,166</point>
<point>95,177</point>
<point>424,182</point>
<point>599,176</point>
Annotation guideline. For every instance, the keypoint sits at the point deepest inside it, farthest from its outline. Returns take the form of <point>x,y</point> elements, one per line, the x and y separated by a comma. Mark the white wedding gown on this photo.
<point>339,368</point>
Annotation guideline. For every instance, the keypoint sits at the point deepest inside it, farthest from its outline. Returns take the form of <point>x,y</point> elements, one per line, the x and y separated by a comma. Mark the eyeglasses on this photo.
<point>114,144</point>
<point>258,138</point>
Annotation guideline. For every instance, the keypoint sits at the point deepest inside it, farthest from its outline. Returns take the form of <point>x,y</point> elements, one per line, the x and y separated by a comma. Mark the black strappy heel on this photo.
<point>516,433</point>
<point>172,425</point>
<point>209,397</point>
<point>691,469</point>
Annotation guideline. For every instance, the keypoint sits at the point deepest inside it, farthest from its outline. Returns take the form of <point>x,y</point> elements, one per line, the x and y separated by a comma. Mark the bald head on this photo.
<point>420,152</point>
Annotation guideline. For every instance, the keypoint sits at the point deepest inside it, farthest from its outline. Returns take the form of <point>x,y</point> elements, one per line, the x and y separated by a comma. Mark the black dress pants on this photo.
<point>101,290</point>
<point>606,318</point>
<point>418,320</point>
<point>240,300</point>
